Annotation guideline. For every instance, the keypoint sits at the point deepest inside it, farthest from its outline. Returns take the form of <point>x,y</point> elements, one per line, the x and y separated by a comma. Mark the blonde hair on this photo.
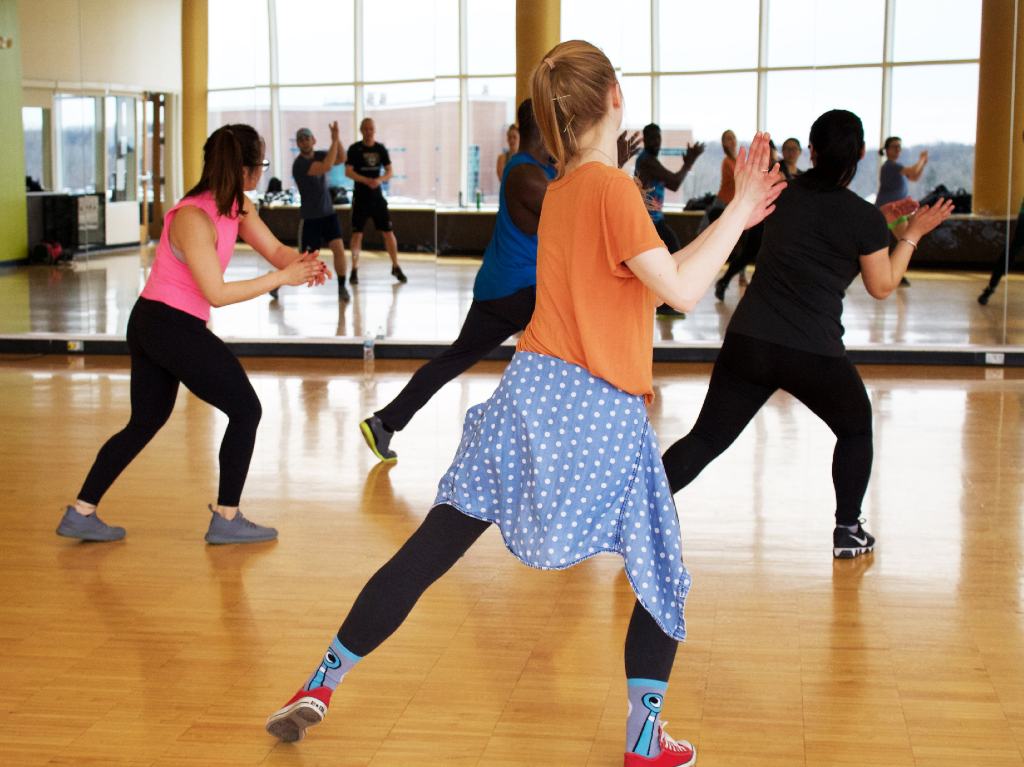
<point>570,91</point>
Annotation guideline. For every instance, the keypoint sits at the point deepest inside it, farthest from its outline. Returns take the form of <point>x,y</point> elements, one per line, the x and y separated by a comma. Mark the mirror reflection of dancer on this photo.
<point>504,292</point>
<point>726,187</point>
<point>655,178</point>
<point>320,225</point>
<point>739,262</point>
<point>513,137</point>
<point>791,152</point>
<point>368,164</point>
<point>786,332</point>
<point>999,265</point>
<point>170,343</point>
<point>583,363</point>
<point>892,177</point>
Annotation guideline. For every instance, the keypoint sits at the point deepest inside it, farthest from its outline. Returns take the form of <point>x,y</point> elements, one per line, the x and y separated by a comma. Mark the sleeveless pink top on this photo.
<point>170,281</point>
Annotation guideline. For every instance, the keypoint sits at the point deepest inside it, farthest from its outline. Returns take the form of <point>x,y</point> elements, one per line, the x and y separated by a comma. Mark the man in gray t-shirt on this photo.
<point>320,225</point>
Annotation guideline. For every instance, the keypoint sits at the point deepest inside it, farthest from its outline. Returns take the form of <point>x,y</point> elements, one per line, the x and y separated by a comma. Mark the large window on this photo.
<point>491,111</point>
<point>438,77</point>
<point>929,113</point>
<point>239,44</point>
<point>78,142</point>
<point>315,42</point>
<point>250,106</point>
<point>403,114</point>
<point>315,107</point>
<point>36,124</point>
<point>777,64</point>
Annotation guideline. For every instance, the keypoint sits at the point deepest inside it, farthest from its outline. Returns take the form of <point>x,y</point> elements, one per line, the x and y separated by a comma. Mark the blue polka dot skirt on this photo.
<point>568,466</point>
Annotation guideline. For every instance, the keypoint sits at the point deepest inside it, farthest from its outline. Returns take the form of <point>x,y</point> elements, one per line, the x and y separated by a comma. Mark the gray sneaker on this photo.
<point>378,438</point>
<point>87,527</point>
<point>237,530</point>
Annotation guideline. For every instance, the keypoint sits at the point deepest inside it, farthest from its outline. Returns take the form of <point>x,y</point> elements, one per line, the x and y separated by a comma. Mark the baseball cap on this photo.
<point>303,133</point>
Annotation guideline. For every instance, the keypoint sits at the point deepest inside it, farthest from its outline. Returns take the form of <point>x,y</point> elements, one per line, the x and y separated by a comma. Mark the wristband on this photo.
<point>898,221</point>
<point>909,242</point>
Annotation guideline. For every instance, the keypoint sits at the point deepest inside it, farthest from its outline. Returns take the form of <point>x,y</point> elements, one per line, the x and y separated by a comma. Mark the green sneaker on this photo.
<point>378,438</point>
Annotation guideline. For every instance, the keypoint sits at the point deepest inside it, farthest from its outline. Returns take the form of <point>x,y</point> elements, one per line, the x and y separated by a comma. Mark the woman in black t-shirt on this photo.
<point>787,331</point>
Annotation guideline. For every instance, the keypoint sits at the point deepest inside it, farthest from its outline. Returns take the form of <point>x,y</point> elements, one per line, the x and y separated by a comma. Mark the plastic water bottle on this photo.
<point>368,342</point>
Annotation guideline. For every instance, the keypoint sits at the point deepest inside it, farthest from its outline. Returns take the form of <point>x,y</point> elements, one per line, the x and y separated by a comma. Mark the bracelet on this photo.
<point>911,242</point>
<point>898,221</point>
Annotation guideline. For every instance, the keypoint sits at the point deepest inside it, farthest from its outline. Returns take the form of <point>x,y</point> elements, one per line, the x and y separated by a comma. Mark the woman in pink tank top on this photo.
<point>170,343</point>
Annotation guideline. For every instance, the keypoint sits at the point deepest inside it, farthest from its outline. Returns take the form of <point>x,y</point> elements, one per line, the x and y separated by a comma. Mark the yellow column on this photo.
<point>999,142</point>
<point>538,26</point>
<point>194,56</point>
<point>13,214</point>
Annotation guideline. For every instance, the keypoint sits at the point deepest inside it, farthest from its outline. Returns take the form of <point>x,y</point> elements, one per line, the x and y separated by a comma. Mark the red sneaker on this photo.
<point>305,709</point>
<point>674,753</point>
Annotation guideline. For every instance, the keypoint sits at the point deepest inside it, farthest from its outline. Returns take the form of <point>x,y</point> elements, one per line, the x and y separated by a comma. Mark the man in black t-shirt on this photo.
<point>320,224</point>
<point>369,165</point>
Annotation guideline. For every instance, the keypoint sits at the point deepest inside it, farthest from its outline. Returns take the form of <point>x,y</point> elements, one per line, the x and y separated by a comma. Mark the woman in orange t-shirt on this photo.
<point>562,458</point>
<point>727,186</point>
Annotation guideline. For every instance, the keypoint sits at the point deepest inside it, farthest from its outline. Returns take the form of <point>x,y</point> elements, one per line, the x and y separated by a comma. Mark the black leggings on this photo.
<point>169,346</point>
<point>487,324</point>
<point>748,371</point>
<point>1016,250</point>
<point>746,255</point>
<point>445,535</point>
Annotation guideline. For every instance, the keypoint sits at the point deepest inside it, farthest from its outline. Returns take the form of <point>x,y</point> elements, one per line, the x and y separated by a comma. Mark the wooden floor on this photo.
<point>160,650</point>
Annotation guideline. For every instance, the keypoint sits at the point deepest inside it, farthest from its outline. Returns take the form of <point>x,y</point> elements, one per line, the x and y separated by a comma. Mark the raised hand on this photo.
<point>928,217</point>
<point>628,146</point>
<point>693,151</point>
<point>757,188</point>
<point>335,133</point>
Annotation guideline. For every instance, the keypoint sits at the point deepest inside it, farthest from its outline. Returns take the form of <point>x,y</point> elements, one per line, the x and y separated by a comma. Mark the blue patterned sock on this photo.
<point>337,661</point>
<point>646,697</point>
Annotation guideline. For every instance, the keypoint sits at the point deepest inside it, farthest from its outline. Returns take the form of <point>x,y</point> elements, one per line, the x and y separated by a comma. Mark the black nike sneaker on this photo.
<point>847,545</point>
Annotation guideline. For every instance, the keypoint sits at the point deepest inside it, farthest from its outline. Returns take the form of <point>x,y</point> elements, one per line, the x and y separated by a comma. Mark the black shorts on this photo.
<point>375,207</point>
<point>319,232</point>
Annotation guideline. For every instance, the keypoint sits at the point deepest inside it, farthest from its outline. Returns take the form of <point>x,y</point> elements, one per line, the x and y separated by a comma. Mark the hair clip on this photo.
<point>566,128</point>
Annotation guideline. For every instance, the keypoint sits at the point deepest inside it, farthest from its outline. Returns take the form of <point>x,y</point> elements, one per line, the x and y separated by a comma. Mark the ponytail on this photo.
<point>226,154</point>
<point>569,90</point>
<point>837,138</point>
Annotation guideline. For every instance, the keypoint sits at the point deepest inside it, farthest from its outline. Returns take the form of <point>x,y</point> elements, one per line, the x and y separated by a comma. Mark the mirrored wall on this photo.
<point>438,79</point>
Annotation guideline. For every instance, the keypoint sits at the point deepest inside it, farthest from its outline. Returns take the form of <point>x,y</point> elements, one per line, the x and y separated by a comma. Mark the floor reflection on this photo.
<point>94,297</point>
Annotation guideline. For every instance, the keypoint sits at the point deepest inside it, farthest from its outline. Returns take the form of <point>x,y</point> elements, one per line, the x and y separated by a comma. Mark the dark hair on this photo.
<point>226,154</point>
<point>651,130</point>
<point>794,140</point>
<point>837,138</point>
<point>526,122</point>
<point>569,89</point>
<point>888,141</point>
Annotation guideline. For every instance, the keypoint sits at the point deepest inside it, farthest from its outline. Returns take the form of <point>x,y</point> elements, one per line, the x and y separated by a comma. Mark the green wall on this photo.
<point>13,216</point>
